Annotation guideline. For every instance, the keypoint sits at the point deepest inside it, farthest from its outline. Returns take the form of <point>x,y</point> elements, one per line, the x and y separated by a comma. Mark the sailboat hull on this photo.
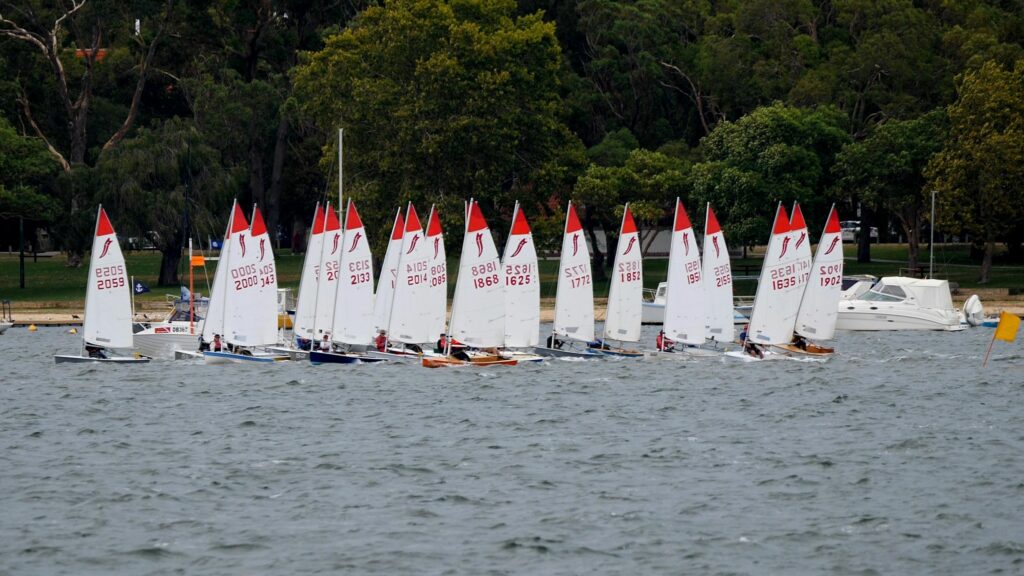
<point>68,359</point>
<point>317,357</point>
<point>234,358</point>
<point>446,361</point>
<point>559,353</point>
<point>164,345</point>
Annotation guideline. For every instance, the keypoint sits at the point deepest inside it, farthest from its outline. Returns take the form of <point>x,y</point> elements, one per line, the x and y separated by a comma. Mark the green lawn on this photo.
<point>48,279</point>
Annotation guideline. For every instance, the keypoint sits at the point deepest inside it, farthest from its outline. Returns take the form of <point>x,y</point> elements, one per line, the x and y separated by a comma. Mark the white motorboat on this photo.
<point>654,307</point>
<point>179,331</point>
<point>899,303</point>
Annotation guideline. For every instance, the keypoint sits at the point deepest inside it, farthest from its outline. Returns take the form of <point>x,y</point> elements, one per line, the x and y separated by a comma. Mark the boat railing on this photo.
<point>648,294</point>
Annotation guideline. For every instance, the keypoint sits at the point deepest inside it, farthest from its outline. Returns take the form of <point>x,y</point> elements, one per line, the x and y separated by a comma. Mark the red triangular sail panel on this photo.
<point>103,225</point>
<point>682,218</point>
<point>332,223</point>
<point>797,221</point>
<point>572,223</point>
<point>711,226</point>
<point>520,225</point>
<point>628,225</point>
<point>412,221</point>
<point>258,226</point>
<point>781,221</point>
<point>476,218</point>
<point>318,220</point>
<point>238,221</point>
<point>833,222</point>
<point>399,227</point>
<point>352,220</point>
<point>433,224</point>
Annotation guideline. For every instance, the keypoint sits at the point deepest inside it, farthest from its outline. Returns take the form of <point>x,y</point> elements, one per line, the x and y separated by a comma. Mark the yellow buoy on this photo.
<point>32,328</point>
<point>73,331</point>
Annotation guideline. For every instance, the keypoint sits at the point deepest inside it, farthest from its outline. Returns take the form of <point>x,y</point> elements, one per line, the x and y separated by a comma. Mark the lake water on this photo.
<point>899,456</point>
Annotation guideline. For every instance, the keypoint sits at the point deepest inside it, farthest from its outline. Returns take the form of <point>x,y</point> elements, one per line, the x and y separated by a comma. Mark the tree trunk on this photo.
<point>911,221</point>
<point>597,259</point>
<point>864,238</point>
<point>986,262</point>
<point>169,260</point>
<point>273,200</point>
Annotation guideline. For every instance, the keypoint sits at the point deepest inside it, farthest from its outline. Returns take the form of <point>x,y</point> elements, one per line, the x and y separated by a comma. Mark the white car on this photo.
<point>851,231</point>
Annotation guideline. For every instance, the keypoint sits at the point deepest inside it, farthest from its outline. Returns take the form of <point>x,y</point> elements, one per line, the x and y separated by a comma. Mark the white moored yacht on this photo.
<point>898,303</point>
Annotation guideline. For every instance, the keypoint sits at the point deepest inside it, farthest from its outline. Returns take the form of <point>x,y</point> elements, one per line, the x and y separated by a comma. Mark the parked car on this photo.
<point>851,231</point>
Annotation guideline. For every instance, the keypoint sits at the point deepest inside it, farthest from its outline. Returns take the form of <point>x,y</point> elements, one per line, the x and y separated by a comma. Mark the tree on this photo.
<point>886,170</point>
<point>154,178</point>
<point>25,166</point>
<point>979,174</point>
<point>440,102</point>
<point>775,153</point>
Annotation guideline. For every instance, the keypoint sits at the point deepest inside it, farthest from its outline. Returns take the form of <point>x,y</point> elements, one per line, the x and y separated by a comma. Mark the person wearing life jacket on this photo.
<point>381,342</point>
<point>216,343</point>
<point>664,344</point>
<point>325,344</point>
<point>442,343</point>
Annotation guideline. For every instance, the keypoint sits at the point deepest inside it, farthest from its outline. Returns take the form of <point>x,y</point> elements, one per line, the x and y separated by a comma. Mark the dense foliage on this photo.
<point>872,104</point>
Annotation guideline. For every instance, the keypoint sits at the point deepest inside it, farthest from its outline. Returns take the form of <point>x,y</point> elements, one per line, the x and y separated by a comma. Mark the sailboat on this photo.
<point>522,291</point>
<point>478,308</point>
<point>239,305</point>
<point>625,291</point>
<point>716,273</point>
<point>574,296</point>
<point>352,325</point>
<point>438,290</point>
<point>327,273</point>
<point>108,311</point>
<point>685,294</point>
<point>305,305</point>
<point>779,291</point>
<point>819,306</point>
<point>388,276</point>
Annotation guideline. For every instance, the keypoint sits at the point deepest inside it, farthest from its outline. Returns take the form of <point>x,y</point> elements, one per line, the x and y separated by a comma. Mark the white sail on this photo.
<point>327,274</point>
<point>266,271</point>
<point>213,323</point>
<point>685,306</point>
<point>242,318</point>
<point>625,292</point>
<point>478,308</point>
<point>108,308</point>
<point>410,318</point>
<point>717,280</point>
<point>820,303</point>
<point>522,285</point>
<point>574,295</point>
<point>437,304</point>
<point>779,288</point>
<point>305,304</point>
<point>353,311</point>
<point>388,276</point>
<point>802,245</point>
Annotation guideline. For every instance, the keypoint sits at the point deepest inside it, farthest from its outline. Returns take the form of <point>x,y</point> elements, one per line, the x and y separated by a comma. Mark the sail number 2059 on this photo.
<point>108,277</point>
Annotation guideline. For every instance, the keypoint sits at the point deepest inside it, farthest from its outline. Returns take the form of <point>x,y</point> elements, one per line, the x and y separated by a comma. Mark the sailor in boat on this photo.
<point>799,341</point>
<point>325,344</point>
<point>554,343</point>
<point>443,343</point>
<point>381,341</point>
<point>217,344</point>
<point>303,343</point>
<point>749,347</point>
<point>94,351</point>
<point>664,344</point>
<point>599,344</point>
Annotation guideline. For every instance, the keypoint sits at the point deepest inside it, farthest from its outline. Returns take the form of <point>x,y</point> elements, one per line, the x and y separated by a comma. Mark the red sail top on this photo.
<point>781,221</point>
<point>258,226</point>
<point>318,220</point>
<point>332,223</point>
<point>476,218</point>
<point>396,230</point>
<point>433,223</point>
<point>628,225</point>
<point>238,221</point>
<point>352,220</point>
<point>572,223</point>
<point>412,221</point>
<point>833,222</point>
<point>103,226</point>
<point>682,218</point>
<point>797,221</point>
<point>711,226</point>
<point>519,224</point>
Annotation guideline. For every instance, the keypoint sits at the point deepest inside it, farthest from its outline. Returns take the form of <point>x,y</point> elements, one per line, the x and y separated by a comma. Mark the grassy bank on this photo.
<point>47,279</point>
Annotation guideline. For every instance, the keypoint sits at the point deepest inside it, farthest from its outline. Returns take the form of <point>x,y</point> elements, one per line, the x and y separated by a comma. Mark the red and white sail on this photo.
<point>305,304</point>
<point>522,285</point>
<point>779,289</point>
<point>802,244</point>
<point>574,296</point>
<point>388,275</point>
<point>241,317</point>
<point>353,311</point>
<point>213,324</point>
<point>478,308</point>
<point>108,309</point>
<point>266,272</point>
<point>437,304</point>
<point>717,280</point>
<point>625,292</point>
<point>410,318</point>
<point>820,304</point>
<point>685,306</point>
<point>327,274</point>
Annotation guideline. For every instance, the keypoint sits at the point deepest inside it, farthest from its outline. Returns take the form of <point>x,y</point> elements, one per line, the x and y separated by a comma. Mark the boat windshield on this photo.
<point>885,293</point>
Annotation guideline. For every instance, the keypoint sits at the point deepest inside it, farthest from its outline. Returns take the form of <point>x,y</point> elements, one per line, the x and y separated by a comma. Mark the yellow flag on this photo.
<point>1008,326</point>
